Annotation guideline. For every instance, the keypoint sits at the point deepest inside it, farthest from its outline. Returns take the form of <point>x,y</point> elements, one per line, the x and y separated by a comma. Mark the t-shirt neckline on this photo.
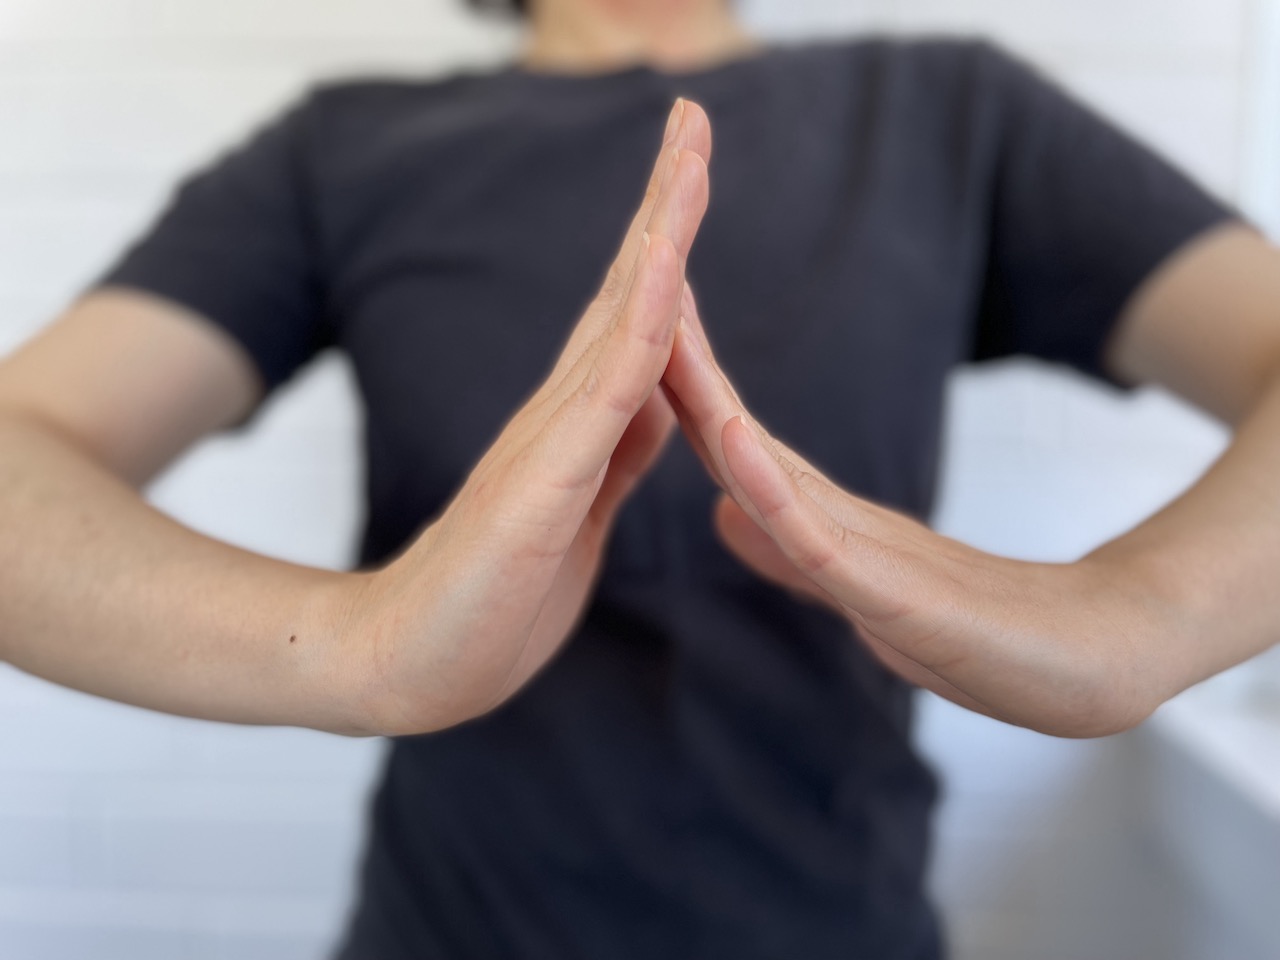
<point>517,72</point>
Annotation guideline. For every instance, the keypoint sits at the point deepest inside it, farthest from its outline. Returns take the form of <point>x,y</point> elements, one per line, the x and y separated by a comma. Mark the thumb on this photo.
<point>761,553</point>
<point>637,451</point>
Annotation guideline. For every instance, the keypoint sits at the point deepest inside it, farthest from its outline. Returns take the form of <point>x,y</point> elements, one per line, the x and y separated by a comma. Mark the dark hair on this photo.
<point>500,6</point>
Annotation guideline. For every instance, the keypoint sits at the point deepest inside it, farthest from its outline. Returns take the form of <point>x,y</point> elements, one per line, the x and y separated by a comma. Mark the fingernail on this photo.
<point>644,238</point>
<point>674,121</point>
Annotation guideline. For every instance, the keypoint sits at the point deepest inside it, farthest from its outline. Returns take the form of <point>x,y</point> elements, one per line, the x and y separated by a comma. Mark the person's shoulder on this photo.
<point>340,114</point>
<point>922,75</point>
<point>379,93</point>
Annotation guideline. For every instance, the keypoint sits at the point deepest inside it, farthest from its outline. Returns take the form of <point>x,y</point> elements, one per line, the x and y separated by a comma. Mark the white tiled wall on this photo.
<point>1261,184</point>
<point>129,835</point>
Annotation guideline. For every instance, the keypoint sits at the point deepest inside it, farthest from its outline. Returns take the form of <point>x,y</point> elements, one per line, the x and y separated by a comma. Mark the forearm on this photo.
<point>100,592</point>
<point>104,594</point>
<point>1207,564</point>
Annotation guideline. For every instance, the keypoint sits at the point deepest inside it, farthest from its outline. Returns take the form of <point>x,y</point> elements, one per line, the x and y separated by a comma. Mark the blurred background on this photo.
<point>125,834</point>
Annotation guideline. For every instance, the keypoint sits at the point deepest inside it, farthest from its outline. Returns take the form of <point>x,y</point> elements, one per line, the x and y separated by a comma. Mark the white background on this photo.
<point>129,835</point>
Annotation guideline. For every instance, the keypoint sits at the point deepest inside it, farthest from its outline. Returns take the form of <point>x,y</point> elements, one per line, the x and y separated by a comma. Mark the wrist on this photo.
<point>345,676</point>
<point>387,677</point>
<point>1159,612</point>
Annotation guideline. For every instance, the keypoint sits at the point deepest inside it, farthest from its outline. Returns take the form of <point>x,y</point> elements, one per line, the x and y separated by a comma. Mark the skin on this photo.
<point>1080,649</point>
<point>104,594</point>
<point>586,36</point>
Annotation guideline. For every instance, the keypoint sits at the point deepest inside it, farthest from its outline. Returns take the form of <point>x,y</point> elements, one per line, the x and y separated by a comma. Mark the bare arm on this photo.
<point>1079,649</point>
<point>103,593</point>
<point>1207,327</point>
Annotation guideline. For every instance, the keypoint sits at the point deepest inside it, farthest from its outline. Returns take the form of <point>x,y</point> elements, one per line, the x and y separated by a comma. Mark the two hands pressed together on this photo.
<point>491,589</point>
<point>104,594</point>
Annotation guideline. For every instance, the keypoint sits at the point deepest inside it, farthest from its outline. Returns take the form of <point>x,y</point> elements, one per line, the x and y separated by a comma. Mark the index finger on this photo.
<point>688,129</point>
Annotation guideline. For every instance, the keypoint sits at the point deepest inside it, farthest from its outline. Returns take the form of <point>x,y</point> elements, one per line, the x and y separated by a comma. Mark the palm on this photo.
<point>492,588</point>
<point>576,570</point>
<point>1040,645</point>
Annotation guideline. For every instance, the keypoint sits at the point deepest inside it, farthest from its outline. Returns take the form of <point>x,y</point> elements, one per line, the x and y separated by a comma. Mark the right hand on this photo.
<point>489,591</point>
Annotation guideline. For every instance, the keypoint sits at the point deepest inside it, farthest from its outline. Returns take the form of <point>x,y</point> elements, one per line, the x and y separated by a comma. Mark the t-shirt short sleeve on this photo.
<point>235,244</point>
<point>1081,213</point>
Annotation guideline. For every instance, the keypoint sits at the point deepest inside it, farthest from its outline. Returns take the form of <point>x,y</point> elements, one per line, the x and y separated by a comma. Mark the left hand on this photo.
<point>1059,648</point>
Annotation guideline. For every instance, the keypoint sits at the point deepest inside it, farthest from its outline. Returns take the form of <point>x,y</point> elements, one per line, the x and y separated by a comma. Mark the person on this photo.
<point>650,698</point>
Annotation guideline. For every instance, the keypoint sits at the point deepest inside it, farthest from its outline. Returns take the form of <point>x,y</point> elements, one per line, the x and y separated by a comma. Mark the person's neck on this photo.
<point>590,36</point>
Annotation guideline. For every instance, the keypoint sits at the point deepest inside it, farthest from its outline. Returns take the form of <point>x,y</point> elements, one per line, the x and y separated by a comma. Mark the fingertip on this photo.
<point>737,443</point>
<point>685,338</point>
<point>651,308</point>
<point>753,467</point>
<point>688,306</point>
<point>727,514</point>
<point>701,178</point>
<point>662,410</point>
<point>690,177</point>
<point>686,198</point>
<point>674,119</point>
<point>738,531</point>
<point>735,430</point>
<point>662,256</point>
<point>697,129</point>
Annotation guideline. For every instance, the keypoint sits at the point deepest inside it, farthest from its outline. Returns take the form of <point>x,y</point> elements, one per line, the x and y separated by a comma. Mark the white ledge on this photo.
<point>1214,805</point>
<point>1238,741</point>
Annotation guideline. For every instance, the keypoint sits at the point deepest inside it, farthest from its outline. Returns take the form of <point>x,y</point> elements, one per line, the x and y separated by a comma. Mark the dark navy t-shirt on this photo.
<point>710,768</point>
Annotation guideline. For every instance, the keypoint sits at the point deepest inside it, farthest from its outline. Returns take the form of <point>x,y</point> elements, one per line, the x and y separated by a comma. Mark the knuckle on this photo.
<point>590,385</point>
<point>600,389</point>
<point>805,480</point>
<point>816,550</point>
<point>651,335</point>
